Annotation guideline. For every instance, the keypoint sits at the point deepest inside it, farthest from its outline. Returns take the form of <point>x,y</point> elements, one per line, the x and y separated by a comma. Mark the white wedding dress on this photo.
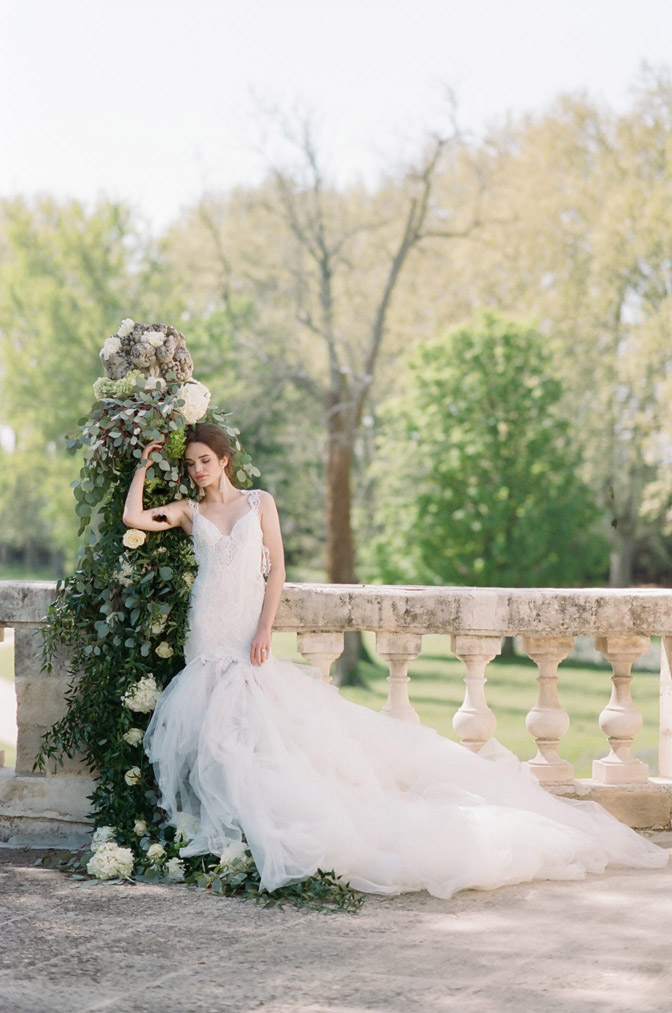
<point>316,782</point>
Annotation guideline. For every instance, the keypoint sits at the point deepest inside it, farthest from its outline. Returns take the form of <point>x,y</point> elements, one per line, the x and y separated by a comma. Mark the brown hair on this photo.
<point>216,439</point>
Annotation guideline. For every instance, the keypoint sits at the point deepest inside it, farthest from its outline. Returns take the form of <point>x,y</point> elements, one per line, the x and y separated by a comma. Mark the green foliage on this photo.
<point>238,878</point>
<point>483,478</point>
<point>121,618</point>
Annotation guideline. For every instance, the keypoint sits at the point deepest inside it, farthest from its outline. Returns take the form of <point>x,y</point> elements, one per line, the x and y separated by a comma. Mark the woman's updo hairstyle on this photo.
<point>216,439</point>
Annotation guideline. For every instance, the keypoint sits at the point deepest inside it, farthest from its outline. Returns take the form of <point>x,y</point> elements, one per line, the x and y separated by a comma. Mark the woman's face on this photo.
<point>202,465</point>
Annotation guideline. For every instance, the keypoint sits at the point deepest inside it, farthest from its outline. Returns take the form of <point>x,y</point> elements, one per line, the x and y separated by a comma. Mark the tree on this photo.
<point>323,267</point>
<point>482,482</point>
<point>587,252</point>
<point>67,276</point>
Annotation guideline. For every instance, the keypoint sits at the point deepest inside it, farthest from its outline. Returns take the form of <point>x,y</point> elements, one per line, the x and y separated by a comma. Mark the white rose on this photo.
<point>110,347</point>
<point>153,338</point>
<point>140,828</point>
<point>134,538</point>
<point>155,852</point>
<point>133,776</point>
<point>158,626</point>
<point>127,326</point>
<point>152,382</point>
<point>175,870</point>
<point>164,650</point>
<point>185,827</point>
<point>143,697</point>
<point>188,579</point>
<point>134,736</point>
<point>196,397</point>
<point>124,574</point>
<point>111,862</point>
<point>102,835</point>
<point>232,851</point>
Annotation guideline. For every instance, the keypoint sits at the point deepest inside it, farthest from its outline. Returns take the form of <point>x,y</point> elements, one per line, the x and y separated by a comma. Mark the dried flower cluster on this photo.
<point>156,350</point>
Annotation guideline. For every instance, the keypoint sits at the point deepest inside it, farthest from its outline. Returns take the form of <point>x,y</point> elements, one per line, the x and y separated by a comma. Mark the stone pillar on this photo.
<point>320,650</point>
<point>399,650</point>
<point>474,722</point>
<point>665,723</point>
<point>620,720</point>
<point>547,721</point>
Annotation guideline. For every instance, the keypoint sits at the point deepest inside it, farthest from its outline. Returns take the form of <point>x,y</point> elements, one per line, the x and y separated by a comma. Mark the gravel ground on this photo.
<point>589,947</point>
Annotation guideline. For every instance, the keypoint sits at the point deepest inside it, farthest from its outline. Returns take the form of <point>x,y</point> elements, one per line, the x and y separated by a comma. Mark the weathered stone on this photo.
<point>641,806</point>
<point>476,618</point>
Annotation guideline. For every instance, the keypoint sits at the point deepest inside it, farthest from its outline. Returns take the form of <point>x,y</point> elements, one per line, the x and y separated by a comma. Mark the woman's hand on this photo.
<point>260,651</point>
<point>154,445</point>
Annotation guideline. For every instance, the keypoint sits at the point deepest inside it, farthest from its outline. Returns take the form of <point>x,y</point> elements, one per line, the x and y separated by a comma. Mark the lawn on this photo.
<point>436,691</point>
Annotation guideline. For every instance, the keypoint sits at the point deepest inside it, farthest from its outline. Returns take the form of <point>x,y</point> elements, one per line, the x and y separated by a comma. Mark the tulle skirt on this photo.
<point>316,782</point>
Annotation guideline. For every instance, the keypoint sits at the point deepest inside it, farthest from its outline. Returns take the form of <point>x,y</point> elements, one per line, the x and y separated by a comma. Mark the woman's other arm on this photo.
<point>270,525</point>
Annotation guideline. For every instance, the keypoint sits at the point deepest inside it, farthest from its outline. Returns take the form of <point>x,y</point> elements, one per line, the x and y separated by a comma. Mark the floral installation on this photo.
<point>122,618</point>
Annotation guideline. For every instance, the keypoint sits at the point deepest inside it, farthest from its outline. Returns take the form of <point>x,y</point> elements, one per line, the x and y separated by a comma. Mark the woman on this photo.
<point>244,743</point>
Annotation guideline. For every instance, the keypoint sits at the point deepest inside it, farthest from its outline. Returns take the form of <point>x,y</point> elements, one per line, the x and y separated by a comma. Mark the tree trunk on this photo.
<point>621,558</point>
<point>508,647</point>
<point>340,541</point>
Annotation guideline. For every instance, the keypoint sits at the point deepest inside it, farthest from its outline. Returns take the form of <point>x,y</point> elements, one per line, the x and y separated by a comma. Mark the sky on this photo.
<point>154,101</point>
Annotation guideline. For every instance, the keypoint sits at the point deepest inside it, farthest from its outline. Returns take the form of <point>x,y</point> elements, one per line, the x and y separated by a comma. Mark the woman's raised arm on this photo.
<point>172,515</point>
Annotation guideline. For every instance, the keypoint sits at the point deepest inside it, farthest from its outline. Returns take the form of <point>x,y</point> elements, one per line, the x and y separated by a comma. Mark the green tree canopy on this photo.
<point>481,478</point>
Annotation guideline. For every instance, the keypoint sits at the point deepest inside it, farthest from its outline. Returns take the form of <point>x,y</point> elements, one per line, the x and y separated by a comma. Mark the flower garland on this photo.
<point>122,619</point>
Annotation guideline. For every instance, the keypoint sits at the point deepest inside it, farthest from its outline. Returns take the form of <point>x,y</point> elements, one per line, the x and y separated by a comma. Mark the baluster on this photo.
<point>620,720</point>
<point>399,650</point>
<point>474,722</point>
<point>665,722</point>
<point>547,721</point>
<point>320,650</point>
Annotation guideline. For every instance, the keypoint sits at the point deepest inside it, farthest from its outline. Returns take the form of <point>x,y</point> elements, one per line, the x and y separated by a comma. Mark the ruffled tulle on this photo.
<point>316,782</point>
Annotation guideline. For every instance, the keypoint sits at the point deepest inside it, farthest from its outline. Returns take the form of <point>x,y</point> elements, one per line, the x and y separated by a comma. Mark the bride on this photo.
<point>244,743</point>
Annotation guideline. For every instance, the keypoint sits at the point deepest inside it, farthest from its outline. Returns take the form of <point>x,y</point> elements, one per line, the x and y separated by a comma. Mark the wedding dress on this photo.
<point>316,782</point>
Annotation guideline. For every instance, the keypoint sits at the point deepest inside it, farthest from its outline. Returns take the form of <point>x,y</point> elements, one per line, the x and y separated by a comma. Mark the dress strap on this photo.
<point>253,498</point>
<point>193,506</point>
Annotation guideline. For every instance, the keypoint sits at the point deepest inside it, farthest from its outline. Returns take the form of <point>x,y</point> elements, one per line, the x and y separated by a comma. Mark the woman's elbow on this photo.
<point>127,518</point>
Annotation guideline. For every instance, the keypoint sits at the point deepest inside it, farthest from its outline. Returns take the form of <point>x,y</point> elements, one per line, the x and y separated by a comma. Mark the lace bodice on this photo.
<point>228,592</point>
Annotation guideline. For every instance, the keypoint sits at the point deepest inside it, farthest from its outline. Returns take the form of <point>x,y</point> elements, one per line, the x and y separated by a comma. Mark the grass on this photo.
<point>436,691</point>
<point>11,571</point>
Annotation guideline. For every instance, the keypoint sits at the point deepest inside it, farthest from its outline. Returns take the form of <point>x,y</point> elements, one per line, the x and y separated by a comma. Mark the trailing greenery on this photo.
<point>121,621</point>
<point>323,891</point>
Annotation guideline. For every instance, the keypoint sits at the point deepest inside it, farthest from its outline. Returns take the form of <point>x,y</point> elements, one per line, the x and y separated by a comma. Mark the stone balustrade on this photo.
<point>53,806</point>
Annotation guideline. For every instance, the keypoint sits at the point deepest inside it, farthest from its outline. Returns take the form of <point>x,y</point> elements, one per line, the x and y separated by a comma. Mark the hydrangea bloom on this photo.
<point>143,697</point>
<point>102,835</point>
<point>196,397</point>
<point>111,861</point>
